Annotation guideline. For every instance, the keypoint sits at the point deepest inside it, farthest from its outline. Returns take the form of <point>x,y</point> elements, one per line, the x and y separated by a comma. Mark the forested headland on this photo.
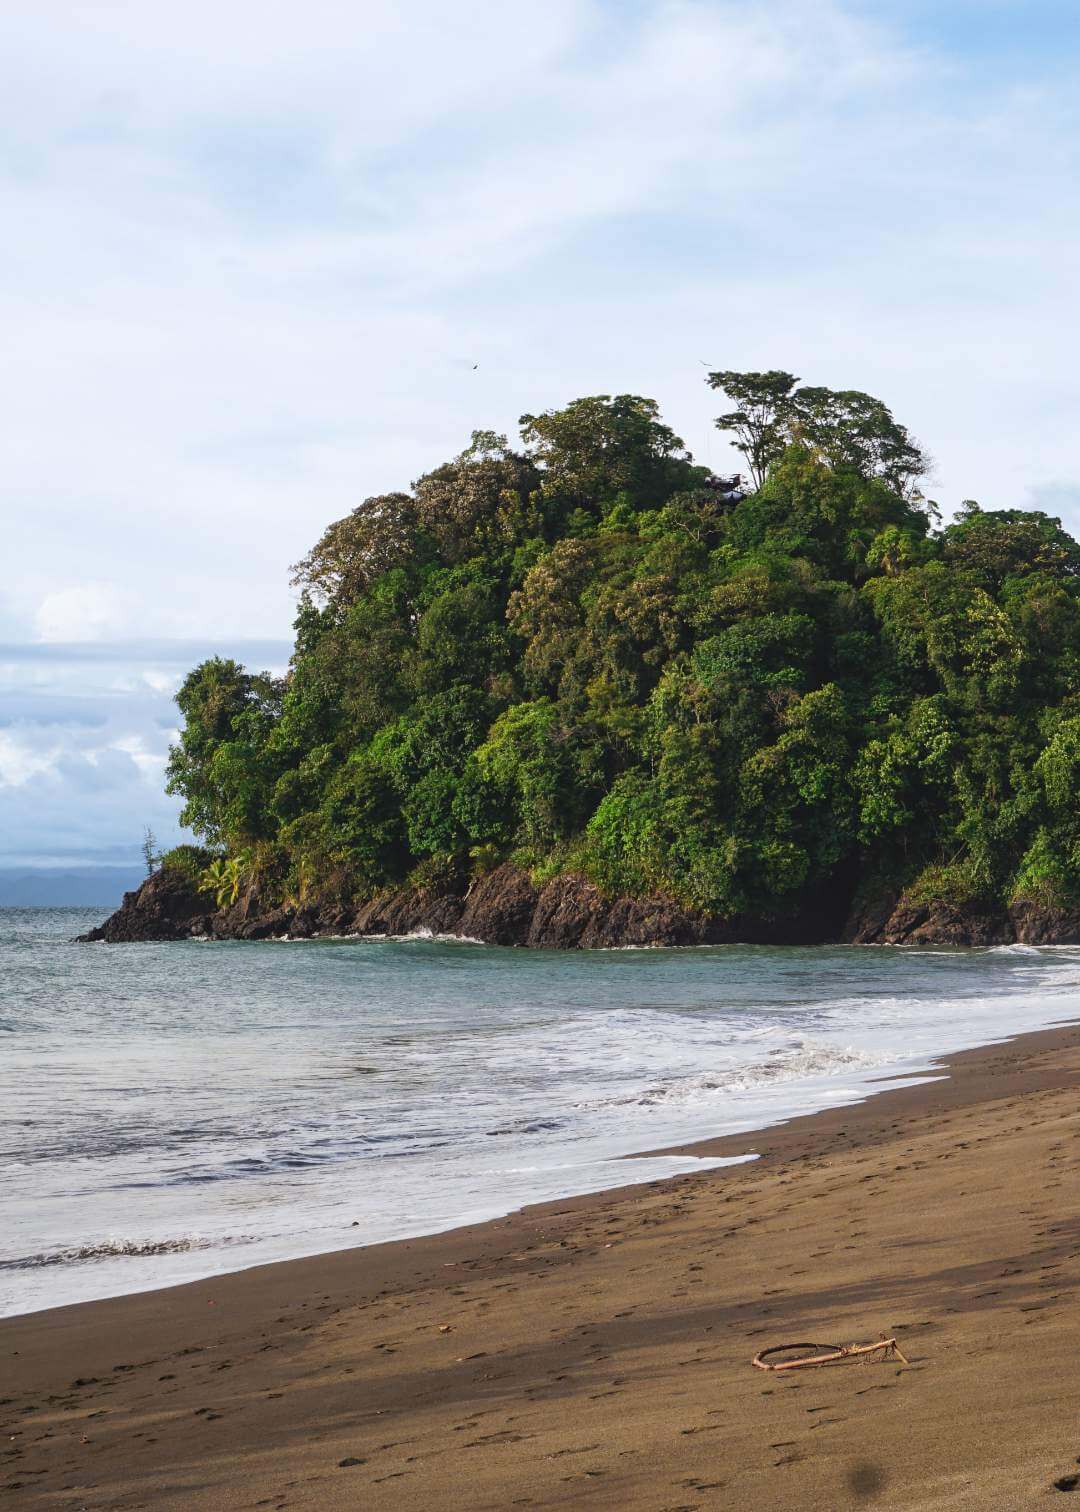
<point>580,656</point>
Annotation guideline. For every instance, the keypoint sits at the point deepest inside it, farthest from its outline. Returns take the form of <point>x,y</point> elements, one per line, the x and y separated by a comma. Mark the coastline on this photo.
<point>401,1356</point>
<point>569,912</point>
<point>685,1131</point>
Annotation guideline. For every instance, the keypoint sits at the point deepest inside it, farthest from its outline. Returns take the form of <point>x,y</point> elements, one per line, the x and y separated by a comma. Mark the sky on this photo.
<point>252,252</point>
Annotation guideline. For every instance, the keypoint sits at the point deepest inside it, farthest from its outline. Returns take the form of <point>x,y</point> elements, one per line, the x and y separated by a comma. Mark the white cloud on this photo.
<point>19,760</point>
<point>89,612</point>
<point>256,248</point>
<point>84,736</point>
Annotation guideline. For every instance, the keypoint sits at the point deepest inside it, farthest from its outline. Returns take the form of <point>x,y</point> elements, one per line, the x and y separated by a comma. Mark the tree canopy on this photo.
<point>575,654</point>
<point>846,429</point>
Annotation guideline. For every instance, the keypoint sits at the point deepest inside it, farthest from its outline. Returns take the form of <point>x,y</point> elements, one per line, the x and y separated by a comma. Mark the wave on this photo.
<point>527,1126</point>
<point>791,1063</point>
<point>437,938</point>
<point>422,933</point>
<point>111,1249</point>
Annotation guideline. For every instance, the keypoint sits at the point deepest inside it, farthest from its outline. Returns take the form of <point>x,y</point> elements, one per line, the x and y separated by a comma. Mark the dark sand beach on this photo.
<point>596,1352</point>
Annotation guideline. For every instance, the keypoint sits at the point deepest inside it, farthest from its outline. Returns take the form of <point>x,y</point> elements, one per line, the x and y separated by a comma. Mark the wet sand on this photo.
<point>595,1353</point>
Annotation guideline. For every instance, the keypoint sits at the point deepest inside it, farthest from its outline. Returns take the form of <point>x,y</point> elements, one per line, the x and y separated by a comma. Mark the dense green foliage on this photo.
<point>581,655</point>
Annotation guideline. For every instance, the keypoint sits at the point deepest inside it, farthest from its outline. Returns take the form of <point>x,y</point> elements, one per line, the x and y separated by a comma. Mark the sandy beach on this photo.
<point>596,1352</point>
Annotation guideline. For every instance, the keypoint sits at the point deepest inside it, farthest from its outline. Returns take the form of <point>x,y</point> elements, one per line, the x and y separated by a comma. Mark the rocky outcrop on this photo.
<point>570,913</point>
<point>567,909</point>
<point>405,913</point>
<point>653,921</point>
<point>503,908</point>
<point>166,907</point>
<point>892,920</point>
<point>1042,924</point>
<point>868,921</point>
<point>499,908</point>
<point>900,920</point>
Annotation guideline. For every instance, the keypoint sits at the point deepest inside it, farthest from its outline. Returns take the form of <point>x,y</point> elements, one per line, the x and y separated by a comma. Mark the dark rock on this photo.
<point>903,921</point>
<point>168,906</point>
<point>869,919</point>
<point>1041,924</point>
<point>499,909</point>
<point>406,913</point>
<point>570,912</point>
<point>566,909</point>
<point>305,923</point>
<point>268,926</point>
<point>648,921</point>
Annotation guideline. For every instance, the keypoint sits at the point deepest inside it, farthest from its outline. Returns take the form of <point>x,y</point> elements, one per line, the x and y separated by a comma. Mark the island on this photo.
<point>582,692</point>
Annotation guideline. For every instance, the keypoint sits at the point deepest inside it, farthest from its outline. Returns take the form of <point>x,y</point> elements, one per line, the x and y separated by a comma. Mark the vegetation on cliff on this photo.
<point>583,655</point>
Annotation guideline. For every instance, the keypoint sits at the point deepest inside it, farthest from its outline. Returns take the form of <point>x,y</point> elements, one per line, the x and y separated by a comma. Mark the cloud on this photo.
<point>260,247</point>
<point>174,654</point>
<point>88,612</point>
<point>84,809</point>
<point>248,273</point>
<point>84,737</point>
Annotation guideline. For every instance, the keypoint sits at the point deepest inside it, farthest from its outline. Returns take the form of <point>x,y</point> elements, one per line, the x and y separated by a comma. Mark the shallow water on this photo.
<point>172,1111</point>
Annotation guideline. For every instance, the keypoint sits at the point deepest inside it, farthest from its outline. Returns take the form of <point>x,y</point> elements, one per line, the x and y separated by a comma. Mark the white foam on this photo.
<point>157,1104</point>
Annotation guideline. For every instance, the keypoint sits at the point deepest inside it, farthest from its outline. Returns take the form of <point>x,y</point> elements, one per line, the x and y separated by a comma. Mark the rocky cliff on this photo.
<point>569,913</point>
<point>504,908</point>
<point>897,919</point>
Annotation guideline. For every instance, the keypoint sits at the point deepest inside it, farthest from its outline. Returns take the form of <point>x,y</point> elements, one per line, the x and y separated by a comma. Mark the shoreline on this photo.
<point>711,1150</point>
<point>744,1147</point>
<point>390,1342</point>
<point>649,1089</point>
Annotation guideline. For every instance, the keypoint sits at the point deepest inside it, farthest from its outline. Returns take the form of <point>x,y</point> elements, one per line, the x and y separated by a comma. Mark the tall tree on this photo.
<point>845,428</point>
<point>848,428</point>
<point>759,421</point>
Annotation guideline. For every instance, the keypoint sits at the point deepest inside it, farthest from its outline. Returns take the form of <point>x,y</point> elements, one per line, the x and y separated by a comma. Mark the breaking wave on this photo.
<point>800,1062</point>
<point>113,1249</point>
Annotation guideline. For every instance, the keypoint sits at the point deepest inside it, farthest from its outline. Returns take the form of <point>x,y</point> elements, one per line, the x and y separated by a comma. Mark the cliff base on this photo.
<point>570,913</point>
<point>503,908</point>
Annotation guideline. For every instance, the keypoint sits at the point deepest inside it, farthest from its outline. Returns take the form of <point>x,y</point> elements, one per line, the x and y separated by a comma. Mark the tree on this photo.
<point>598,448</point>
<point>222,763</point>
<point>528,763</point>
<point>365,830</point>
<point>460,637</point>
<point>482,502</point>
<point>845,428</point>
<point>547,612</point>
<point>759,421</point>
<point>149,850</point>
<point>351,554</point>
<point>852,429</point>
<point>1001,543</point>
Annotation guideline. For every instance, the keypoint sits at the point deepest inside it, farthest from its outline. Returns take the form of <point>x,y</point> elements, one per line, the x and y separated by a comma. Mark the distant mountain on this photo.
<point>82,887</point>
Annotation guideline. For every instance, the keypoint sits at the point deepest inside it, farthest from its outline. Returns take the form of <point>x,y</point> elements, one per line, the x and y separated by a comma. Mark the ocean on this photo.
<point>169,1112</point>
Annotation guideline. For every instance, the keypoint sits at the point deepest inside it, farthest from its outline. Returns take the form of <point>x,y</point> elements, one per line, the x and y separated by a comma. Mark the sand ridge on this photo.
<point>596,1352</point>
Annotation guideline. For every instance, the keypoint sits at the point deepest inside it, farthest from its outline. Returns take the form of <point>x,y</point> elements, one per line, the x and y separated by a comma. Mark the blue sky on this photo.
<point>252,251</point>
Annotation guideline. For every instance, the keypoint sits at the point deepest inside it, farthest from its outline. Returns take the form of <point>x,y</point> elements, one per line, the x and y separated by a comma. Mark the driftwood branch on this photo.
<point>826,1354</point>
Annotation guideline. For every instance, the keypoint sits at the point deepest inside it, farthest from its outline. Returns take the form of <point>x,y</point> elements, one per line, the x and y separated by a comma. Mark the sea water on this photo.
<point>177,1110</point>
